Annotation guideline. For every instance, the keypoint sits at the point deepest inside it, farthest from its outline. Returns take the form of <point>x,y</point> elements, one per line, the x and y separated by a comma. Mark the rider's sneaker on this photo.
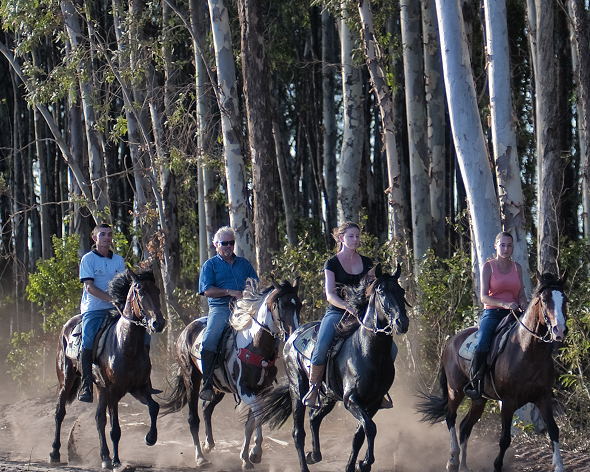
<point>207,394</point>
<point>85,394</point>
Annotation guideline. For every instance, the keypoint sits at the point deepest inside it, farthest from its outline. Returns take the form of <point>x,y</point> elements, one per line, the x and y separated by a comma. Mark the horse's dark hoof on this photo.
<point>312,458</point>
<point>151,439</point>
<point>255,457</point>
<point>54,458</point>
<point>117,466</point>
<point>363,467</point>
<point>107,464</point>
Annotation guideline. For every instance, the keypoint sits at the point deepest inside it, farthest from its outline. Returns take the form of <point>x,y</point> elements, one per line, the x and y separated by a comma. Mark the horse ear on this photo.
<point>398,271</point>
<point>275,284</point>
<point>296,284</point>
<point>132,275</point>
<point>538,276</point>
<point>563,278</point>
<point>378,270</point>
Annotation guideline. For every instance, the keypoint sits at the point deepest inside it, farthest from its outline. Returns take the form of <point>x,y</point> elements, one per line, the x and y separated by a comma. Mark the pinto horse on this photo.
<point>522,373</point>
<point>123,366</point>
<point>362,372</point>
<point>261,319</point>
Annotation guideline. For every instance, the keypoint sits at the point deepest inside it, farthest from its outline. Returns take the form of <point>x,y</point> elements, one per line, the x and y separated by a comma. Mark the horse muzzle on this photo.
<point>401,325</point>
<point>157,324</point>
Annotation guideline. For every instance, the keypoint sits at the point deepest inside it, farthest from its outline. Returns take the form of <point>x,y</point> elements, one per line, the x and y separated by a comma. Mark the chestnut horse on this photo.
<point>123,366</point>
<point>261,319</point>
<point>362,372</point>
<point>523,372</point>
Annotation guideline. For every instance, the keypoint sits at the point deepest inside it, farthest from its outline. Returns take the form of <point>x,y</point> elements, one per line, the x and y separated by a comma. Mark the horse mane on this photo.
<point>357,297</point>
<point>248,305</point>
<point>119,286</point>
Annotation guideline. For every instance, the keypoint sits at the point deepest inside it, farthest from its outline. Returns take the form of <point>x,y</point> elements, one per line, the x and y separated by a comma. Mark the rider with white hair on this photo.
<point>222,278</point>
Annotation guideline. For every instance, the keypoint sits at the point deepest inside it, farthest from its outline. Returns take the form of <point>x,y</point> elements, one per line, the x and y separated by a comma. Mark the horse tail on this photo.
<point>275,405</point>
<point>176,395</point>
<point>434,408</point>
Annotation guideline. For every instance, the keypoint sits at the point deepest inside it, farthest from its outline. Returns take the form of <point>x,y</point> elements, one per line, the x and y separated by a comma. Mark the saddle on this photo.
<point>501,334</point>
<point>305,343</point>
<point>74,346</point>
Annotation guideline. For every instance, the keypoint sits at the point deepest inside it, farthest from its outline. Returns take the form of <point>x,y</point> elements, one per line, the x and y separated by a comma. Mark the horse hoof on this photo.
<point>151,439</point>
<point>54,458</point>
<point>255,458</point>
<point>202,463</point>
<point>108,465</point>
<point>312,458</point>
<point>117,465</point>
<point>247,465</point>
<point>206,447</point>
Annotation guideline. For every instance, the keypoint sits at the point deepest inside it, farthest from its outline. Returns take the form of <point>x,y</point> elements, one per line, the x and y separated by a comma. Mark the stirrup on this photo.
<point>207,393</point>
<point>85,394</point>
<point>473,389</point>
<point>311,398</point>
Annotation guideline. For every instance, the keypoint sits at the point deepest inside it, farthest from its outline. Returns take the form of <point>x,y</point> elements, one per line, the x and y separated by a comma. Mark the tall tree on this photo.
<point>259,111</point>
<point>353,126</point>
<point>551,166</point>
<point>467,130</point>
<point>503,133</point>
<point>228,104</point>
<point>417,127</point>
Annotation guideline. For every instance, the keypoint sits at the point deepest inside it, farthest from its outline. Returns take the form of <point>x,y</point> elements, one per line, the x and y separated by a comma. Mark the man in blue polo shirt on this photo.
<point>222,278</point>
<point>97,269</point>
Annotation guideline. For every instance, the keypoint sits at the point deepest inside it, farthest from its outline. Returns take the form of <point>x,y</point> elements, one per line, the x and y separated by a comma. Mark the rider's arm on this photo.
<point>332,295</point>
<point>216,292</point>
<point>96,292</point>
<point>522,301</point>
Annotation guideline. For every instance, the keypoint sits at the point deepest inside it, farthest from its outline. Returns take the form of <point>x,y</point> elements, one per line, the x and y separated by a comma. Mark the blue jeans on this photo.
<point>91,321</point>
<point>490,319</point>
<point>326,336</point>
<point>216,321</point>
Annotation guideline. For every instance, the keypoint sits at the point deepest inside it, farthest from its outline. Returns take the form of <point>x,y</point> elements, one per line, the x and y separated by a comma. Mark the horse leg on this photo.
<point>208,407</point>
<point>256,452</point>
<point>248,430</point>
<point>115,433</point>
<point>473,416</point>
<point>144,395</point>
<point>553,430</point>
<point>315,420</point>
<point>299,427</point>
<point>101,422</point>
<point>451,420</point>
<point>508,410</point>
<point>366,427</point>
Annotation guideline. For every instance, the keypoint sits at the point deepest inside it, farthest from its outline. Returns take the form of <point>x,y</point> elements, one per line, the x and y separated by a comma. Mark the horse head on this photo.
<point>285,306</point>
<point>142,306</point>
<point>550,302</point>
<point>388,300</point>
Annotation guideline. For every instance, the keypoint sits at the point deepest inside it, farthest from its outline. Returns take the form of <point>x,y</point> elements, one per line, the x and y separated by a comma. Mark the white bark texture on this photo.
<point>503,133</point>
<point>353,128</point>
<point>228,105</point>
<point>466,129</point>
<point>95,155</point>
<point>417,128</point>
<point>385,101</point>
<point>436,120</point>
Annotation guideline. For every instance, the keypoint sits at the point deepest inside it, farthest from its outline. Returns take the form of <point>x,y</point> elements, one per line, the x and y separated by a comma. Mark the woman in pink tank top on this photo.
<point>502,290</point>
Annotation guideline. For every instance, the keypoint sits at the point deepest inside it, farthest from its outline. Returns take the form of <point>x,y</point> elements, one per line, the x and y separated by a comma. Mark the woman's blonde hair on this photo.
<point>342,229</point>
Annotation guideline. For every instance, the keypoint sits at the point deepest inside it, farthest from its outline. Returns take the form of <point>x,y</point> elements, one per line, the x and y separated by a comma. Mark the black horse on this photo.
<point>123,366</point>
<point>362,372</point>
<point>522,373</point>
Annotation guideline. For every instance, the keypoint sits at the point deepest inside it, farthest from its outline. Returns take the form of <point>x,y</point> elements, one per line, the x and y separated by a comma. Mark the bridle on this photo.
<point>282,334</point>
<point>129,314</point>
<point>548,336</point>
<point>389,329</point>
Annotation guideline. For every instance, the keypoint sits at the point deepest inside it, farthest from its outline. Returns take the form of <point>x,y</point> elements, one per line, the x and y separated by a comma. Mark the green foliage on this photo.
<point>55,286</point>
<point>25,358</point>
<point>444,302</point>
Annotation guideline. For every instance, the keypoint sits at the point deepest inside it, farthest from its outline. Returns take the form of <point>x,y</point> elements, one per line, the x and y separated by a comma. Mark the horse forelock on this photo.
<point>247,306</point>
<point>119,286</point>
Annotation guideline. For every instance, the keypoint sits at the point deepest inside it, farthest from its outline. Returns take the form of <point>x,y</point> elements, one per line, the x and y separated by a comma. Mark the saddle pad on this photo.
<point>227,341</point>
<point>468,346</point>
<point>74,342</point>
<point>74,346</point>
<point>305,342</point>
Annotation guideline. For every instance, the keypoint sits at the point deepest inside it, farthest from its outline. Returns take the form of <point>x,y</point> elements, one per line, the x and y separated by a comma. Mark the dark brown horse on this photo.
<point>261,319</point>
<point>362,373</point>
<point>123,366</point>
<point>522,373</point>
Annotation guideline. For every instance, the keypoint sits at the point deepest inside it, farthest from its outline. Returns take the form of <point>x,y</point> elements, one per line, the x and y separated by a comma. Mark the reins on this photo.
<point>548,337</point>
<point>142,322</point>
<point>387,330</point>
<point>282,332</point>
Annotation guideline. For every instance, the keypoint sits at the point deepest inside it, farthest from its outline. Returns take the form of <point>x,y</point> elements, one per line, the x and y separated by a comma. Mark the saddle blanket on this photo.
<point>74,346</point>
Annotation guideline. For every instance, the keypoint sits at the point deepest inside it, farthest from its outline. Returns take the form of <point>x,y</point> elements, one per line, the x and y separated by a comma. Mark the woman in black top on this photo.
<point>347,267</point>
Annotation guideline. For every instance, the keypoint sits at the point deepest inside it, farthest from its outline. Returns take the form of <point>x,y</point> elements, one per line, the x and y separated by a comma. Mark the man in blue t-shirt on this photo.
<point>97,269</point>
<point>222,278</point>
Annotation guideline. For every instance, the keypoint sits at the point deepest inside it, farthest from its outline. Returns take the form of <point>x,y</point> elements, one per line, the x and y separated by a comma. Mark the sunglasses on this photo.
<point>227,243</point>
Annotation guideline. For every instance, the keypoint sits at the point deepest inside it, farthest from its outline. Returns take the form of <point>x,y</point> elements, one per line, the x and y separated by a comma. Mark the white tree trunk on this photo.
<point>466,128</point>
<point>503,133</point>
<point>436,117</point>
<point>417,128</point>
<point>384,98</point>
<point>228,105</point>
<point>354,127</point>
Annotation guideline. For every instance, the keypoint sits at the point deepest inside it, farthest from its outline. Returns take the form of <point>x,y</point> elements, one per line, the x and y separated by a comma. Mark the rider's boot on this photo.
<point>85,392</point>
<point>208,361</point>
<point>316,375</point>
<point>473,388</point>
